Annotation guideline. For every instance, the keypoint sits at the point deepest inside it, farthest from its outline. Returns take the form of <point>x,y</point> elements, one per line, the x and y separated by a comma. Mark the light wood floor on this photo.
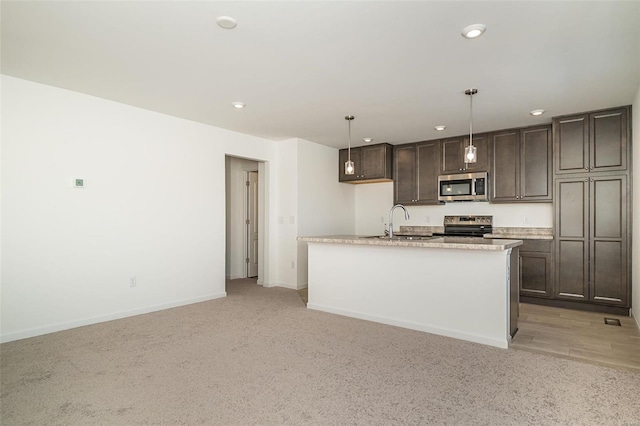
<point>578,335</point>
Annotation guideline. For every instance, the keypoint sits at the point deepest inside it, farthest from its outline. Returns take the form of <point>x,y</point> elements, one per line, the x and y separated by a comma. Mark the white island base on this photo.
<point>465,294</point>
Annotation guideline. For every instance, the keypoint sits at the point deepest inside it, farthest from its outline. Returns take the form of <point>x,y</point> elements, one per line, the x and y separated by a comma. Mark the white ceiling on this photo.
<point>400,67</point>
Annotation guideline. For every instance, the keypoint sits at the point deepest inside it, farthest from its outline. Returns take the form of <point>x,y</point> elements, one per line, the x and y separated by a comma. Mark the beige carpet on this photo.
<point>260,357</point>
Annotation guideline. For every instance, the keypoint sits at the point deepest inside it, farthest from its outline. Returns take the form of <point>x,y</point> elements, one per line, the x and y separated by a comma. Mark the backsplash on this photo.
<point>374,201</point>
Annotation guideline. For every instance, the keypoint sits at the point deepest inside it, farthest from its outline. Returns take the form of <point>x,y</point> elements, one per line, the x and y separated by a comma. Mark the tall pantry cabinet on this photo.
<point>592,207</point>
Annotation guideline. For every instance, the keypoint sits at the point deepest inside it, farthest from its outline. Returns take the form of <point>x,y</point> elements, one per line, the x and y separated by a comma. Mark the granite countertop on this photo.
<point>522,233</point>
<point>436,242</point>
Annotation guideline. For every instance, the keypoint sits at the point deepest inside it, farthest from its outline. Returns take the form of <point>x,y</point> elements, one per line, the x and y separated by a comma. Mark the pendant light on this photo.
<point>470,151</point>
<point>349,167</point>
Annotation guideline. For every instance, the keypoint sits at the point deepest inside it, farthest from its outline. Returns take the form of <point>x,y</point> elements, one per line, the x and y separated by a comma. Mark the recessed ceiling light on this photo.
<point>440,128</point>
<point>473,31</point>
<point>367,140</point>
<point>537,112</point>
<point>238,105</point>
<point>226,22</point>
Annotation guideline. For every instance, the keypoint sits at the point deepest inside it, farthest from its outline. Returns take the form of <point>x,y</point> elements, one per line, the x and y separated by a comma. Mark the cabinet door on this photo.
<point>404,174</point>
<point>343,155</point>
<point>535,164</point>
<point>373,162</point>
<point>535,274</point>
<point>536,265</point>
<point>609,274</point>
<point>452,152</point>
<point>608,140</point>
<point>572,238</point>
<point>452,159</point>
<point>481,142</point>
<point>427,171</point>
<point>571,142</point>
<point>505,155</point>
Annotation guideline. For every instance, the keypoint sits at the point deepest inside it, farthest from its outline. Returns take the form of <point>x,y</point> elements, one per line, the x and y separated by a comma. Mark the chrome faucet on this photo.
<point>406,217</point>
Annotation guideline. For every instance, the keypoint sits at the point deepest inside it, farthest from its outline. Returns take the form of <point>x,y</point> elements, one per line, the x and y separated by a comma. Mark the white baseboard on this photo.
<point>290,286</point>
<point>635,317</point>
<point>284,285</point>
<point>236,277</point>
<point>39,331</point>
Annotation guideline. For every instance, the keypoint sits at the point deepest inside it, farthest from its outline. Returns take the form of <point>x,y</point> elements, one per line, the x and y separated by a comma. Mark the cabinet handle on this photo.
<point>586,180</point>
<point>586,168</point>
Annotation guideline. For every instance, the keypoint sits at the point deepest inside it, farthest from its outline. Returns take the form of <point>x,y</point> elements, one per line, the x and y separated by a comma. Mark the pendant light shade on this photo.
<point>349,167</point>
<point>470,154</point>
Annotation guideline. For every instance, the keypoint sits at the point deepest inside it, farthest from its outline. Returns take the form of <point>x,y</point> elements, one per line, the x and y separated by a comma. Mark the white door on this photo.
<point>252,224</point>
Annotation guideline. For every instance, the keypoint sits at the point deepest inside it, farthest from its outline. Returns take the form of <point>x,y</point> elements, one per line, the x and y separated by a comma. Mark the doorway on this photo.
<point>246,219</point>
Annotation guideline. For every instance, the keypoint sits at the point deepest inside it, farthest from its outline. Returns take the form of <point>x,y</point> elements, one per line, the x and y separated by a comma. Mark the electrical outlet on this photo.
<point>133,282</point>
<point>525,220</point>
<point>293,264</point>
<point>381,219</point>
<point>427,219</point>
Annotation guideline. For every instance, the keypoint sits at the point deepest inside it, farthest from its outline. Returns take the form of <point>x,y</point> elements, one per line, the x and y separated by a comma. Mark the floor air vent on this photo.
<point>612,321</point>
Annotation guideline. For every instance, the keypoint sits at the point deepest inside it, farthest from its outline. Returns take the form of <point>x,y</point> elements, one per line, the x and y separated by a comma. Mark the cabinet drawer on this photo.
<point>543,246</point>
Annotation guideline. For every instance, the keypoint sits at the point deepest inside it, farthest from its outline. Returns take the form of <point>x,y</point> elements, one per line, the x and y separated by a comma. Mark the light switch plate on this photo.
<point>78,182</point>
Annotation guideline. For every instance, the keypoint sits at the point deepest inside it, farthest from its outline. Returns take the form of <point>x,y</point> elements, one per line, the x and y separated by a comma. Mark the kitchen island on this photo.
<point>465,288</point>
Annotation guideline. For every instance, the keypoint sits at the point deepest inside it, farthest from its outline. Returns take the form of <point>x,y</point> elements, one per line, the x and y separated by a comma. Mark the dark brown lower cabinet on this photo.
<point>536,265</point>
<point>592,242</point>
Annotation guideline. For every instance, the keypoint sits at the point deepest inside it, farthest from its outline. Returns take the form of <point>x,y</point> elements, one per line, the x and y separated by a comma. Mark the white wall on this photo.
<point>373,202</point>
<point>153,208</point>
<point>635,245</point>
<point>325,206</point>
<point>236,169</point>
<point>311,202</point>
<point>287,213</point>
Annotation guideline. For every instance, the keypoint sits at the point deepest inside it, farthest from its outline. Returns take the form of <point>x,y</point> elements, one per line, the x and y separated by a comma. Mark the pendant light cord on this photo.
<point>471,119</point>
<point>349,139</point>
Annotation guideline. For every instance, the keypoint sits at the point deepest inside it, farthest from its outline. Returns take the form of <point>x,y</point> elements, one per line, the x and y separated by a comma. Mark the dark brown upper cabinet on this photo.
<point>591,142</point>
<point>373,163</point>
<point>416,170</point>
<point>521,165</point>
<point>452,157</point>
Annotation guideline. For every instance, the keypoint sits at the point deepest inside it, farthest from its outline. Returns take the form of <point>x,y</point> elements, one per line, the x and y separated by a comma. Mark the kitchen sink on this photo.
<point>403,237</point>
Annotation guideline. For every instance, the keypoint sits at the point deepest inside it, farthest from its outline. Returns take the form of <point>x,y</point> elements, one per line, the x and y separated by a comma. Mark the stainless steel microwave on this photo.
<point>463,187</point>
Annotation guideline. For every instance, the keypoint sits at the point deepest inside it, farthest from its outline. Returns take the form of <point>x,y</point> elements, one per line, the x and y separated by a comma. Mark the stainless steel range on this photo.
<point>467,226</point>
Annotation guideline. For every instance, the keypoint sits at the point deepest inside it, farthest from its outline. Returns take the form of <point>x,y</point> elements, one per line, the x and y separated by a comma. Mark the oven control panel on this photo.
<point>468,220</point>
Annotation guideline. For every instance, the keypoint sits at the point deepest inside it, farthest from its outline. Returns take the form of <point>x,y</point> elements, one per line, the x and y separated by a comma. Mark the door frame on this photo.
<point>248,215</point>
